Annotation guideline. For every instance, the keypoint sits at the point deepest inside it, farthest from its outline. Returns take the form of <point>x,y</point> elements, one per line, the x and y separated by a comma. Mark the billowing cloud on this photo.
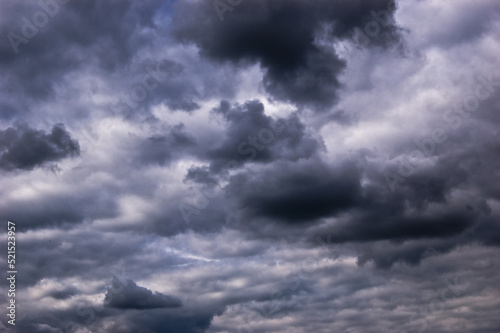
<point>26,148</point>
<point>136,297</point>
<point>299,194</point>
<point>254,137</point>
<point>251,166</point>
<point>285,38</point>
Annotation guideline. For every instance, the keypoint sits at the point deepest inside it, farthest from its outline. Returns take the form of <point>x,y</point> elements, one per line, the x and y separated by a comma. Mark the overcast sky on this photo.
<point>252,165</point>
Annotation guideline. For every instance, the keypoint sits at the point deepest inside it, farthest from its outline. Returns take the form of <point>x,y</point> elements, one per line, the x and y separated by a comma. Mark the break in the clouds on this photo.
<point>198,166</point>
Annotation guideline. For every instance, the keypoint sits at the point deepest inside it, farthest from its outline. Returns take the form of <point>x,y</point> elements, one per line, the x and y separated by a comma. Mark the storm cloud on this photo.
<point>256,166</point>
<point>287,39</point>
<point>136,297</point>
<point>26,148</point>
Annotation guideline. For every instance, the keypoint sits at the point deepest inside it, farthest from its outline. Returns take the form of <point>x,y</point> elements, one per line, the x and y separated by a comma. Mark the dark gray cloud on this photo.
<point>64,293</point>
<point>254,137</point>
<point>85,317</point>
<point>422,210</point>
<point>26,148</point>
<point>136,297</point>
<point>161,321</point>
<point>238,160</point>
<point>282,36</point>
<point>299,194</point>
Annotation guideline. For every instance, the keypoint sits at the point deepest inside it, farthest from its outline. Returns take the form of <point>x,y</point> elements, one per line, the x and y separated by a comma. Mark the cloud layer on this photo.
<point>252,166</point>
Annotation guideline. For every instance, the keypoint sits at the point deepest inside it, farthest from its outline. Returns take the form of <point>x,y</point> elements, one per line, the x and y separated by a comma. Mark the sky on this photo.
<point>188,166</point>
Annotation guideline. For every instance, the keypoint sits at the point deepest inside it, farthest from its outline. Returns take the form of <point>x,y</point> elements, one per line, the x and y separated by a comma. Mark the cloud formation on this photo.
<point>287,38</point>
<point>278,166</point>
<point>26,148</point>
<point>136,297</point>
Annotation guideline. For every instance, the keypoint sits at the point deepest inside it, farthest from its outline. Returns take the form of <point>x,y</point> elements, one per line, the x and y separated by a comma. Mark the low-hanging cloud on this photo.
<point>25,148</point>
<point>136,297</point>
<point>283,37</point>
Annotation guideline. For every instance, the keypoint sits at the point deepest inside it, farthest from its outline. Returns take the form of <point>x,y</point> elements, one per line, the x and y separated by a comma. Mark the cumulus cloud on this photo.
<point>299,193</point>
<point>136,297</point>
<point>26,148</point>
<point>282,36</point>
<point>278,165</point>
<point>254,137</point>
